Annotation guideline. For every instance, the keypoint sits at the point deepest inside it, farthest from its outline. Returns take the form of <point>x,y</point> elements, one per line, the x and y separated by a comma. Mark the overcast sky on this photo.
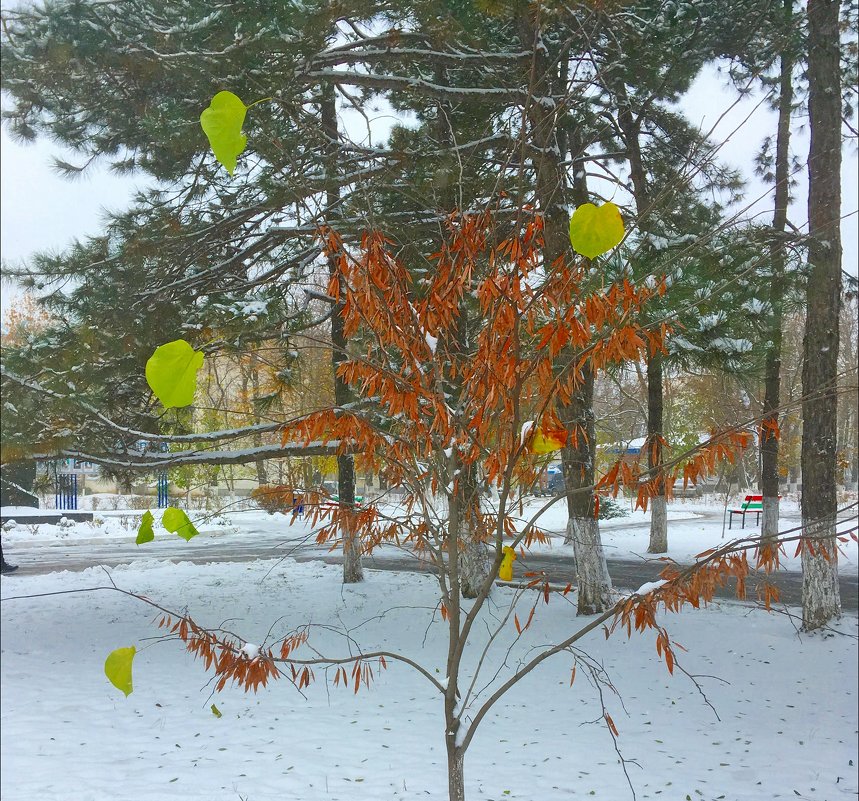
<point>42,211</point>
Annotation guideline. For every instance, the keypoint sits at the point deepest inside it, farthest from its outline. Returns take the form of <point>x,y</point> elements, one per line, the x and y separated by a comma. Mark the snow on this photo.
<point>526,429</point>
<point>108,525</point>
<point>66,732</point>
<point>694,526</point>
<point>19,512</point>
<point>250,650</point>
<point>650,586</point>
<point>731,345</point>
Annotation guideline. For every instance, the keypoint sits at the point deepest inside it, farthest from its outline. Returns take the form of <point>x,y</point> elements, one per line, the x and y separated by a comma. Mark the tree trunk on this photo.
<point>474,563</point>
<point>592,579</point>
<point>658,503</point>
<point>655,379</point>
<point>473,553</point>
<point>455,772</point>
<point>353,571</point>
<point>772,379</point>
<point>593,583</point>
<point>262,472</point>
<point>578,461</point>
<point>821,600</point>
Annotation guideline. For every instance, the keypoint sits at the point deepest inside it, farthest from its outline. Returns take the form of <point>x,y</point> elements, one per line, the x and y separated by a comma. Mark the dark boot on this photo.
<point>5,567</point>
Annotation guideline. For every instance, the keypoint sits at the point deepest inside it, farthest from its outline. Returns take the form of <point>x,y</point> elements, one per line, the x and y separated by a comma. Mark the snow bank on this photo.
<point>66,732</point>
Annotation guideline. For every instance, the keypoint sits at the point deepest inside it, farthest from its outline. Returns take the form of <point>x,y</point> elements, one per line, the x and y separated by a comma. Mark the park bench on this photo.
<point>752,503</point>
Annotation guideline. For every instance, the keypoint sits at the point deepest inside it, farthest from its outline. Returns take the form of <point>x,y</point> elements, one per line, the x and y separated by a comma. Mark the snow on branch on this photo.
<point>139,461</point>
<point>454,93</point>
<point>376,54</point>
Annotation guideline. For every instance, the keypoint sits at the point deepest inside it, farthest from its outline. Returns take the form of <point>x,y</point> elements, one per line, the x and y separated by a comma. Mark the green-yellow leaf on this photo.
<point>117,668</point>
<point>171,373</point>
<point>222,123</point>
<point>145,532</point>
<point>595,230</point>
<point>177,522</point>
<point>215,711</point>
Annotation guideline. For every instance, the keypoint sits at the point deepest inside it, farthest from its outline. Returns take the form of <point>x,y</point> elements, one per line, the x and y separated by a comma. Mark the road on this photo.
<point>254,544</point>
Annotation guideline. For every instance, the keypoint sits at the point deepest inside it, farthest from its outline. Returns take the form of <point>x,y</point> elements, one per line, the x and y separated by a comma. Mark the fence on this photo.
<point>66,496</point>
<point>163,499</point>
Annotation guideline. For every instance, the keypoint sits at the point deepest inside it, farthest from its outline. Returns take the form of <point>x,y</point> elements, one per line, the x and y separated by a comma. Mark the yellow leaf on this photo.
<point>595,230</point>
<point>117,668</point>
<point>222,123</point>
<point>171,373</point>
<point>549,441</point>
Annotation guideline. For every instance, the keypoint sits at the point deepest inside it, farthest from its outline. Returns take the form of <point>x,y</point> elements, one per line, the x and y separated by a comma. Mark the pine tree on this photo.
<point>769,427</point>
<point>670,167</point>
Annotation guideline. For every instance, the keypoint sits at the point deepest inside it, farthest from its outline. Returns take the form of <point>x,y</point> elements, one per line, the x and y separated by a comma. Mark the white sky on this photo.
<point>42,211</point>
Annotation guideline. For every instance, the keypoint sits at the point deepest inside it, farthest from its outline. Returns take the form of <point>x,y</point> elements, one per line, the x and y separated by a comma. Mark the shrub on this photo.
<point>611,507</point>
<point>275,498</point>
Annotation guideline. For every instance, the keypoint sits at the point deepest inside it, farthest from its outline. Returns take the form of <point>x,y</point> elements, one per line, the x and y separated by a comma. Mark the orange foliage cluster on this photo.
<point>362,673</point>
<point>694,585</point>
<point>647,482</point>
<point>537,329</point>
<point>224,654</point>
<point>277,498</point>
<point>249,670</point>
<point>529,316</point>
<point>697,584</point>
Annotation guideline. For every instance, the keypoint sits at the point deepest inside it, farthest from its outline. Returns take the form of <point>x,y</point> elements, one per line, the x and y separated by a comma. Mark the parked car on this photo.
<point>555,485</point>
<point>551,481</point>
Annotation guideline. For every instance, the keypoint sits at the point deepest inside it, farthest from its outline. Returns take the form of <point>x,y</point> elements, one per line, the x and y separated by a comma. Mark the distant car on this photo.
<point>551,482</point>
<point>555,485</point>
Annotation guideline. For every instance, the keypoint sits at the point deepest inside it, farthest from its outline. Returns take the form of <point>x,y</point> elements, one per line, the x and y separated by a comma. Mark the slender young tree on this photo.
<point>516,364</point>
<point>352,569</point>
<point>670,165</point>
<point>772,378</point>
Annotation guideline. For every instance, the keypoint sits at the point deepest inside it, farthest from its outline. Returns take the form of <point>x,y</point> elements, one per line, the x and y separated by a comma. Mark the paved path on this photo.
<point>47,557</point>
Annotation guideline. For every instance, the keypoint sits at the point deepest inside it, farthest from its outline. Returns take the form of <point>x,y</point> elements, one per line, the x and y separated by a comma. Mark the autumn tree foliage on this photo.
<point>429,413</point>
<point>452,379</point>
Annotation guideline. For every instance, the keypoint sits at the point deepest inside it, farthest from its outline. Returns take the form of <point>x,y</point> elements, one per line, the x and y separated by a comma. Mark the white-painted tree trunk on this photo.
<point>473,565</point>
<point>593,583</point>
<point>455,775</point>
<point>658,525</point>
<point>353,570</point>
<point>769,525</point>
<point>821,594</point>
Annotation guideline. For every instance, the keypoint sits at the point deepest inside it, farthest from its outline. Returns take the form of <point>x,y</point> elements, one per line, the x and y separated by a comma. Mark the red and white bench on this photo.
<point>752,503</point>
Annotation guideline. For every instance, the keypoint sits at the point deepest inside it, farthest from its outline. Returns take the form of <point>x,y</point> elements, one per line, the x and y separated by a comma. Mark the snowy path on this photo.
<point>273,542</point>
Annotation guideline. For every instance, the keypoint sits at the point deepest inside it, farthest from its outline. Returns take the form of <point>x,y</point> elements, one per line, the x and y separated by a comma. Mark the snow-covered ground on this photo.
<point>67,733</point>
<point>786,703</point>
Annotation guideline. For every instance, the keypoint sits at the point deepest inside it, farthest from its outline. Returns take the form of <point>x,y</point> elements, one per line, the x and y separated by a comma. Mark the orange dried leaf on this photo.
<point>611,725</point>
